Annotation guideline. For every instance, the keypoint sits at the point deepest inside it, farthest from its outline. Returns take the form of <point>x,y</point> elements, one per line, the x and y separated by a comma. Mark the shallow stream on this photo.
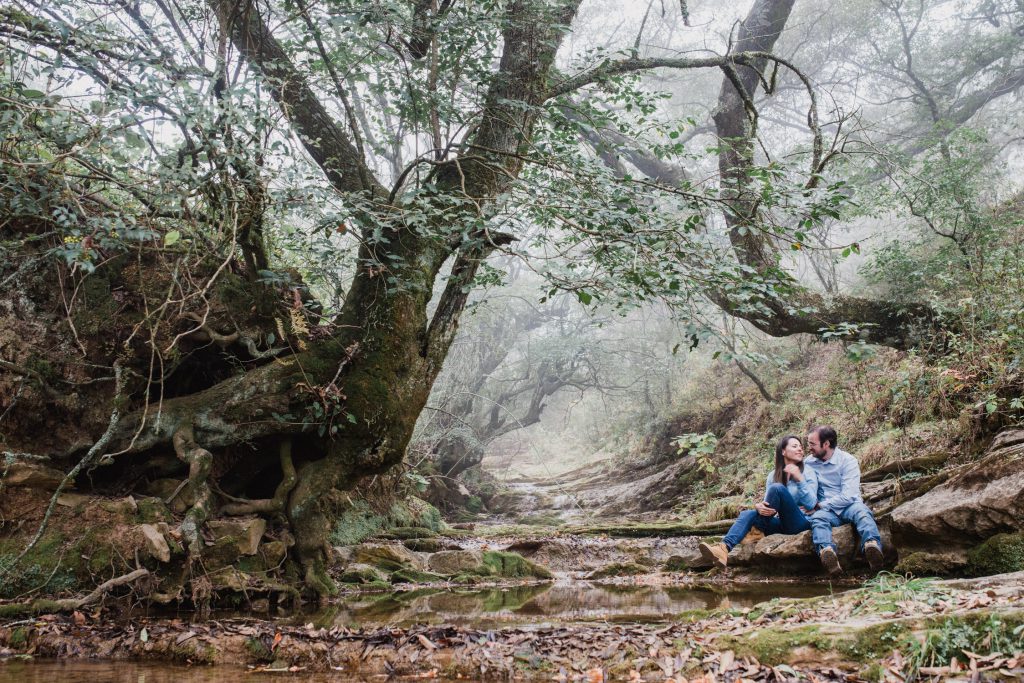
<point>563,602</point>
<point>547,603</point>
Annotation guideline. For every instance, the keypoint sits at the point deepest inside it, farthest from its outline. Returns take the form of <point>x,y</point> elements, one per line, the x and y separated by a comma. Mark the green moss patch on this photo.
<point>415,576</point>
<point>998,555</point>
<point>423,545</point>
<point>617,569</point>
<point>513,566</point>
<point>771,645</point>
<point>46,567</point>
<point>408,532</point>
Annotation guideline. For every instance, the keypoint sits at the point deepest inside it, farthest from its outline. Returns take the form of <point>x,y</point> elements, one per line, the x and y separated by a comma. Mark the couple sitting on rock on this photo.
<point>818,493</point>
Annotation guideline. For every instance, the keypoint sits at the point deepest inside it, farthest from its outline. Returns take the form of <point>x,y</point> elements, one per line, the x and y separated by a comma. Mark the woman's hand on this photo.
<point>763,509</point>
<point>794,472</point>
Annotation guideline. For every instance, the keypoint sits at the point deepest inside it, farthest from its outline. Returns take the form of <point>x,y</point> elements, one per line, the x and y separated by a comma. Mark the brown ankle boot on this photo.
<point>830,561</point>
<point>873,553</point>
<point>716,554</point>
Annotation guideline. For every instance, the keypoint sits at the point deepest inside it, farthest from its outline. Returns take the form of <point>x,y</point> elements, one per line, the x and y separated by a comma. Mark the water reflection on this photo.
<point>543,603</point>
<point>50,671</point>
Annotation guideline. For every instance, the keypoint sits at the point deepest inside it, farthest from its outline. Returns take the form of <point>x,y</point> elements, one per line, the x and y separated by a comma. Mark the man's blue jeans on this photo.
<point>857,514</point>
<point>790,520</point>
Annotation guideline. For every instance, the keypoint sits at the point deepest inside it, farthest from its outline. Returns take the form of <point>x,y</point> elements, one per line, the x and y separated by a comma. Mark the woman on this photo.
<point>791,491</point>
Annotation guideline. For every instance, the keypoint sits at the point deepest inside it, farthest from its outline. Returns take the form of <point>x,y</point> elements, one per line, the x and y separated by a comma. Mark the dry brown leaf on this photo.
<point>727,661</point>
<point>79,618</point>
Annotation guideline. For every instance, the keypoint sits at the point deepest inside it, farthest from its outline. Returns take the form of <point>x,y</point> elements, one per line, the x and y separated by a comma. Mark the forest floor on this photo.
<point>890,629</point>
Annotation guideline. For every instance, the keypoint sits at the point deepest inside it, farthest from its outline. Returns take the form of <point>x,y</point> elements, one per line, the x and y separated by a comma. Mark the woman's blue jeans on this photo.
<point>790,520</point>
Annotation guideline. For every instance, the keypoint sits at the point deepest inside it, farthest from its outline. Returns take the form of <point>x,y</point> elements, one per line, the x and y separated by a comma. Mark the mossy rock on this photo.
<point>772,646</point>
<point>1000,554</point>
<point>513,566</point>
<point>415,576</point>
<point>680,563</point>
<point>931,564</point>
<point>361,574</point>
<point>222,553</point>
<point>618,569</point>
<point>390,558</point>
<point>467,579</point>
<point>408,532</point>
<point>356,524</point>
<point>153,510</point>
<point>424,545</point>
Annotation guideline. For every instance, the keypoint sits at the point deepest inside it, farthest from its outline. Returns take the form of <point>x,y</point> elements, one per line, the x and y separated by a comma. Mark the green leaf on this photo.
<point>171,237</point>
<point>584,297</point>
<point>33,94</point>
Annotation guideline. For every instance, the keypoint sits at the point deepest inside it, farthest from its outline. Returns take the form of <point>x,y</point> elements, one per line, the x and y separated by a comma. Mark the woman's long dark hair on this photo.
<point>780,475</point>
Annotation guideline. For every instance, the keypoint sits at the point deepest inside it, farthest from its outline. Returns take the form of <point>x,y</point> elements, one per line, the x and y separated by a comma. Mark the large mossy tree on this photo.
<point>184,181</point>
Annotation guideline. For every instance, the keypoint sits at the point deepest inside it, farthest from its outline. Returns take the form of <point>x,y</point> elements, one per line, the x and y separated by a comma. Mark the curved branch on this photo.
<point>324,139</point>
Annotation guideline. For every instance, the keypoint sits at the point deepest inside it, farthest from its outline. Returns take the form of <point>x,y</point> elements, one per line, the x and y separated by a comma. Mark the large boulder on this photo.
<point>788,552</point>
<point>983,499</point>
<point>451,562</point>
<point>387,556</point>
<point>244,532</point>
<point>156,544</point>
<point>31,475</point>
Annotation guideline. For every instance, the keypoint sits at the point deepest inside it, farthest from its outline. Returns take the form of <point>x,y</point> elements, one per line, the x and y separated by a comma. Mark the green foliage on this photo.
<point>886,591</point>
<point>700,446</point>
<point>953,636</point>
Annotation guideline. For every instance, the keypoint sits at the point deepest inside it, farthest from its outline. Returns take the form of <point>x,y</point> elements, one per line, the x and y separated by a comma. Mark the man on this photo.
<point>839,501</point>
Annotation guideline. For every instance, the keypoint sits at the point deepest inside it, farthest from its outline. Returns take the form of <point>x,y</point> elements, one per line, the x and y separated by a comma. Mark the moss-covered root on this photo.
<point>199,461</point>
<point>309,523</point>
<point>269,505</point>
<point>69,604</point>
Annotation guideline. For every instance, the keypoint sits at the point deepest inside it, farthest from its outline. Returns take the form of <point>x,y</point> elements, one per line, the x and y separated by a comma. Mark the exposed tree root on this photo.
<point>71,604</point>
<point>309,523</point>
<point>269,505</point>
<point>199,462</point>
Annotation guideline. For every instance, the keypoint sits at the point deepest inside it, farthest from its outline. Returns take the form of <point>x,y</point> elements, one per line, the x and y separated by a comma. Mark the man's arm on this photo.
<point>850,483</point>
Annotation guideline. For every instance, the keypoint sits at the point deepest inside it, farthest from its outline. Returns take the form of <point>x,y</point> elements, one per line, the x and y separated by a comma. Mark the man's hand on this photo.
<point>763,510</point>
<point>794,472</point>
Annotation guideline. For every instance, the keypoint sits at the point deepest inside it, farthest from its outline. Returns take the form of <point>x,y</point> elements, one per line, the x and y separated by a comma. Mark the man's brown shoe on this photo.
<point>716,554</point>
<point>873,552</point>
<point>830,561</point>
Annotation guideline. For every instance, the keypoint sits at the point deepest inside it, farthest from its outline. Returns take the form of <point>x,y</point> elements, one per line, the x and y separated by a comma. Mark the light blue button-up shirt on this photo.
<point>804,492</point>
<point>838,480</point>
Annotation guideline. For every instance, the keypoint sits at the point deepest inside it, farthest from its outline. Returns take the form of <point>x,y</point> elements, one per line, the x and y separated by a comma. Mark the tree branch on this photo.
<point>324,139</point>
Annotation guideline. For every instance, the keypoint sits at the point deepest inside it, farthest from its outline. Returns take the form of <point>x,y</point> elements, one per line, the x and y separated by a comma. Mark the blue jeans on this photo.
<point>790,520</point>
<point>857,514</point>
